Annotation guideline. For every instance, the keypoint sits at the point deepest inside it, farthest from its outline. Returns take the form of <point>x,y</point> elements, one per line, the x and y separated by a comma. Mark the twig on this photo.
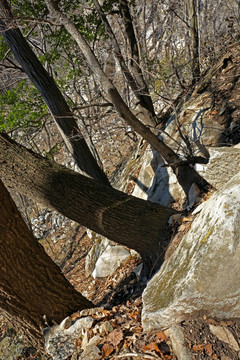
<point>142,356</point>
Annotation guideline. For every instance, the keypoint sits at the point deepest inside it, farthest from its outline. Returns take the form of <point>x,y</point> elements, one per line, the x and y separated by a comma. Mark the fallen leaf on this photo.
<point>135,315</point>
<point>161,336</point>
<point>137,329</point>
<point>186,219</point>
<point>107,349</point>
<point>78,343</point>
<point>150,347</point>
<point>115,337</point>
<point>203,347</point>
<point>208,349</point>
<point>102,314</point>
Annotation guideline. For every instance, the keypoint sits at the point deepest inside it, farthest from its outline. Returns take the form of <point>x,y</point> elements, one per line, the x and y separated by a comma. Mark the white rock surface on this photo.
<point>180,348</point>
<point>155,182</point>
<point>203,274</point>
<point>109,261</point>
<point>100,243</point>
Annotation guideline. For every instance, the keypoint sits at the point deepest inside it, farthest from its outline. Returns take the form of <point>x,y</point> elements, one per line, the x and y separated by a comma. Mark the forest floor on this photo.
<point>124,337</point>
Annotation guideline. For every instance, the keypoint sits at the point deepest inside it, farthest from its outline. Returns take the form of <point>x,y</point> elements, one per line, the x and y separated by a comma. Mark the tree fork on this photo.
<point>127,220</point>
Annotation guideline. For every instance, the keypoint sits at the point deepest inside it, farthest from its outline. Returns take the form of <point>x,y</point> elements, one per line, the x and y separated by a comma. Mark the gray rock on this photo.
<point>10,349</point>
<point>60,340</point>
<point>224,163</point>
<point>99,246</point>
<point>109,261</point>
<point>92,352</point>
<point>179,345</point>
<point>196,124</point>
<point>155,182</point>
<point>203,274</point>
<point>225,335</point>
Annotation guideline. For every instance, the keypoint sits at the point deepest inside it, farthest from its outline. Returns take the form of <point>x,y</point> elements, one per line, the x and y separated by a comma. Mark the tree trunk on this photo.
<point>54,99</point>
<point>135,58</point>
<point>124,219</point>
<point>137,84</point>
<point>194,40</point>
<point>31,284</point>
<point>123,110</point>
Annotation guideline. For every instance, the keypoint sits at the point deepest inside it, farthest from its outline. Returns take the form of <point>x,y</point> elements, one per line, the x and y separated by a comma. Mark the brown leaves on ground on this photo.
<point>115,337</point>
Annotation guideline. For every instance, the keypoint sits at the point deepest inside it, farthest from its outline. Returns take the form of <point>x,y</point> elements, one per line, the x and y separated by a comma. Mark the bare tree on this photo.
<point>186,175</point>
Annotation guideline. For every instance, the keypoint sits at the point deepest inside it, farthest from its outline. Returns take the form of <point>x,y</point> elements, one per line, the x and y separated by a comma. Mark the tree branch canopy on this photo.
<point>186,175</point>
<point>52,96</point>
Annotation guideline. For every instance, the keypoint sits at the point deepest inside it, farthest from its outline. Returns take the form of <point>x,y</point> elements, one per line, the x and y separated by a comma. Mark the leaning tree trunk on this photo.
<point>31,284</point>
<point>127,220</point>
<point>51,94</point>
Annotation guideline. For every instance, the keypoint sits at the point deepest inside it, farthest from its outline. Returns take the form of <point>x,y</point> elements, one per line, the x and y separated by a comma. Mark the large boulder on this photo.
<point>203,274</point>
<point>223,164</point>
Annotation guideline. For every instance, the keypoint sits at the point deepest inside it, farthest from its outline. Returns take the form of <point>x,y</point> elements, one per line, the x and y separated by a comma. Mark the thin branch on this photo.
<point>93,104</point>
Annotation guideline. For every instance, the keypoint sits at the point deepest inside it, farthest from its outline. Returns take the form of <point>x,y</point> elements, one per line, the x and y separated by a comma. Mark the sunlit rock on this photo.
<point>156,182</point>
<point>203,274</point>
<point>60,340</point>
<point>109,261</point>
<point>224,163</point>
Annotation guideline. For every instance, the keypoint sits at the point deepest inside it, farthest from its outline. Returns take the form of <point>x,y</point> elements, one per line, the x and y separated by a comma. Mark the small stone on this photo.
<point>66,323</point>
<point>180,349</point>
<point>109,261</point>
<point>225,335</point>
<point>105,327</point>
<point>91,353</point>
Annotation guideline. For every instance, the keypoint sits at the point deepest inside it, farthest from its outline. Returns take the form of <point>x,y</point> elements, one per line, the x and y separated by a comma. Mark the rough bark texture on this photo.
<point>194,40</point>
<point>31,284</point>
<point>125,219</point>
<point>54,99</point>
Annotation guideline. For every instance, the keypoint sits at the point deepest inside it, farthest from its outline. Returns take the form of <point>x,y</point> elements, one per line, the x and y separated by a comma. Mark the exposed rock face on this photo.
<point>196,123</point>
<point>99,246</point>
<point>203,274</point>
<point>223,164</point>
<point>155,182</point>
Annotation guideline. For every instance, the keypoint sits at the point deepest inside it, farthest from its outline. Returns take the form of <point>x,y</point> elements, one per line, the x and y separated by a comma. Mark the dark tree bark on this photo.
<point>186,174</point>
<point>136,83</point>
<point>51,94</point>
<point>135,58</point>
<point>193,29</point>
<point>124,219</point>
<point>31,284</point>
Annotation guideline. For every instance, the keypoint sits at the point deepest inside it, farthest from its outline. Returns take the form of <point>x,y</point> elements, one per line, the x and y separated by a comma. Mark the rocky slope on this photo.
<point>210,116</point>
